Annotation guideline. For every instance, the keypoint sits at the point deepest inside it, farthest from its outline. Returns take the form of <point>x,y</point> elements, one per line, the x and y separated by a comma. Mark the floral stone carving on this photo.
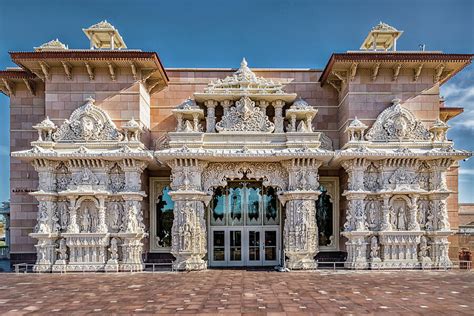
<point>88,123</point>
<point>245,117</point>
<point>397,124</point>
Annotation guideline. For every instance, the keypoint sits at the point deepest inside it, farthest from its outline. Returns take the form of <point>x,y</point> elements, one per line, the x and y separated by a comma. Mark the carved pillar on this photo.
<point>179,125</point>
<point>262,104</point>
<point>196,122</point>
<point>413,213</point>
<point>189,236</point>
<point>278,105</point>
<point>385,224</point>
<point>356,226</point>
<point>300,231</point>
<point>46,231</point>
<point>309,119</point>
<point>102,227</point>
<point>211,115</point>
<point>73,227</point>
<point>226,105</point>
<point>440,230</point>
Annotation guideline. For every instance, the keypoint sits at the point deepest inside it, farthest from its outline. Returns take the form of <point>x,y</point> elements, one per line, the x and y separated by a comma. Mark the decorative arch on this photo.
<point>87,198</point>
<point>218,173</point>
<point>88,123</point>
<point>397,123</point>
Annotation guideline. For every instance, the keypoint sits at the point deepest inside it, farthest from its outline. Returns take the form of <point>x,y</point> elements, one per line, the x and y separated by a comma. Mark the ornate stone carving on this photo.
<point>300,234</point>
<point>116,178</point>
<point>244,81</point>
<point>88,123</point>
<point>397,124</point>
<point>216,174</point>
<point>189,235</point>
<point>403,179</point>
<point>326,142</point>
<point>245,117</point>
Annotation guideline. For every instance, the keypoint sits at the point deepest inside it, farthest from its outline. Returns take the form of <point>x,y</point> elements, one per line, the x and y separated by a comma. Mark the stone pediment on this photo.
<point>244,81</point>
<point>397,124</point>
<point>245,117</point>
<point>88,123</point>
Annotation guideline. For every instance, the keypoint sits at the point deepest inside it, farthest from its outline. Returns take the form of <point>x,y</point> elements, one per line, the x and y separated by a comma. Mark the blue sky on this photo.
<point>298,33</point>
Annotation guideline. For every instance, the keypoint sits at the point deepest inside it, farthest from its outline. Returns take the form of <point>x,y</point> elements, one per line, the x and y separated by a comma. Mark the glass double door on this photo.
<point>244,246</point>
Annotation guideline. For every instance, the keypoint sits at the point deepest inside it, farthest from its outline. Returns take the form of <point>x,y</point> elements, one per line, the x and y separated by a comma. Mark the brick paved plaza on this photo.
<point>239,291</point>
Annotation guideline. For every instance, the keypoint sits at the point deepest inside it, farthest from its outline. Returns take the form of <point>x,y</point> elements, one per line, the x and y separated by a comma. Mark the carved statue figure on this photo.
<point>63,216</point>
<point>113,249</point>
<point>393,217</point>
<point>423,247</point>
<point>115,216</point>
<point>86,220</point>
<point>374,248</point>
<point>422,213</point>
<point>43,226</point>
<point>62,250</point>
<point>372,215</point>
<point>402,219</point>
<point>132,223</point>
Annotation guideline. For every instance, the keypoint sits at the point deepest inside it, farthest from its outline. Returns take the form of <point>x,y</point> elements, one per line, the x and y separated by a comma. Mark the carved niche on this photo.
<point>397,124</point>
<point>116,178</point>
<point>88,217</point>
<point>403,179</point>
<point>373,215</point>
<point>399,210</point>
<point>371,178</point>
<point>63,177</point>
<point>245,117</point>
<point>88,123</point>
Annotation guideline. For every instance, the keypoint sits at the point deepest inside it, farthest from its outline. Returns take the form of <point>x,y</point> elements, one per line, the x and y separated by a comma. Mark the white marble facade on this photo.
<point>90,214</point>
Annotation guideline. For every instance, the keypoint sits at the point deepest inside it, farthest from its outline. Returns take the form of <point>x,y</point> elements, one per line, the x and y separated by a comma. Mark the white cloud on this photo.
<point>467,172</point>
<point>459,92</point>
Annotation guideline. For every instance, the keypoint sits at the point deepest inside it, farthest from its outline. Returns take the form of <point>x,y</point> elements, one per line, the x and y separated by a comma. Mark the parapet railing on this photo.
<point>462,265</point>
<point>341,265</point>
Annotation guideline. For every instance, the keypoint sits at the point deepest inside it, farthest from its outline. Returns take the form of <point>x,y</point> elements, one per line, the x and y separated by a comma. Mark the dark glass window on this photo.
<point>324,217</point>
<point>164,218</point>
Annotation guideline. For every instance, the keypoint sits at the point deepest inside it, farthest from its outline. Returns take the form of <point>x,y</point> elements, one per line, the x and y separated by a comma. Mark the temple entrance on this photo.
<point>244,220</point>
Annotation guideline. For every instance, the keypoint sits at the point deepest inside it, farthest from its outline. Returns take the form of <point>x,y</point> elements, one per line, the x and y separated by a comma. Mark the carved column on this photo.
<point>278,105</point>
<point>102,227</point>
<point>262,104</point>
<point>211,115</point>
<point>46,230</point>
<point>300,231</point>
<point>356,226</point>
<point>413,214</point>
<point>73,227</point>
<point>385,224</point>
<point>226,105</point>
<point>189,236</point>
<point>440,230</point>
<point>179,124</point>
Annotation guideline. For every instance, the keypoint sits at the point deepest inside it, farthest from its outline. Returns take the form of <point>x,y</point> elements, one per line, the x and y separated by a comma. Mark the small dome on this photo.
<point>131,124</point>
<point>300,104</point>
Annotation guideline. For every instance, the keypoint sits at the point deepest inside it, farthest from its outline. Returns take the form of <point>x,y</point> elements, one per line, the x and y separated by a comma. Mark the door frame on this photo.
<point>244,246</point>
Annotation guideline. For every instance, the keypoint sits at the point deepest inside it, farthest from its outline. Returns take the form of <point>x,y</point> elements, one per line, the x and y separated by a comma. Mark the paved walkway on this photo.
<point>239,291</point>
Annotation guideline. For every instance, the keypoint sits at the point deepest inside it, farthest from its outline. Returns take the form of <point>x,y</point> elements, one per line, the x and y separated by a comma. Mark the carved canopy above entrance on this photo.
<point>216,174</point>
